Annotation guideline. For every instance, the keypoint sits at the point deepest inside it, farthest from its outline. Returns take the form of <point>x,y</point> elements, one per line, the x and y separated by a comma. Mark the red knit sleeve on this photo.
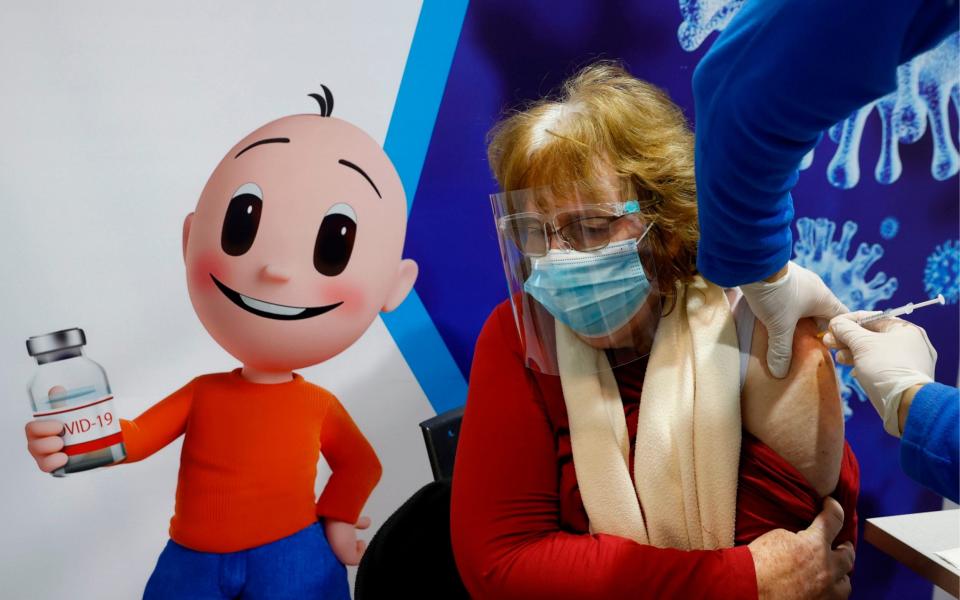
<point>505,507</point>
<point>353,462</point>
<point>159,425</point>
<point>773,494</point>
<point>847,492</point>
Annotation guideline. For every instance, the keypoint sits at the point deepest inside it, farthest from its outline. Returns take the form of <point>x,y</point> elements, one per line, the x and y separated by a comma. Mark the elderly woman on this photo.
<point>622,436</point>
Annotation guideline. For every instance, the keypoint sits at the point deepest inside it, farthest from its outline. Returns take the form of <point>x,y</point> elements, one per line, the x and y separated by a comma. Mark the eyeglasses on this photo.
<point>584,229</point>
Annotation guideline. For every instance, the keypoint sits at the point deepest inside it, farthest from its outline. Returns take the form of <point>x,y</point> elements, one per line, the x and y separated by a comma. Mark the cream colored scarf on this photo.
<point>688,435</point>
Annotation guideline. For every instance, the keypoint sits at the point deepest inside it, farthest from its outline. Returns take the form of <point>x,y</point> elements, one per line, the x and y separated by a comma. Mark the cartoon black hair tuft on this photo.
<point>325,101</point>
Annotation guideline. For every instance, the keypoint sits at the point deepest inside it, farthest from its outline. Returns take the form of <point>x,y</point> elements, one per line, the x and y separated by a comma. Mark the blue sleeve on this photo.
<point>928,448</point>
<point>782,72</point>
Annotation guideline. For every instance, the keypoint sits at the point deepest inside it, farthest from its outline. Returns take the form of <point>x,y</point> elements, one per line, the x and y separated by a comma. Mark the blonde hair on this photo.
<point>606,121</point>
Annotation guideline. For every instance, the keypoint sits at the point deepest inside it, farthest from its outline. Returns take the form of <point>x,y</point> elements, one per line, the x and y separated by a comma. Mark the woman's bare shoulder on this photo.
<point>800,416</point>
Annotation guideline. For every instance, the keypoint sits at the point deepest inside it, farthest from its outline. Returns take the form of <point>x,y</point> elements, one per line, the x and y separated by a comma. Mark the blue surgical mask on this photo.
<point>593,293</point>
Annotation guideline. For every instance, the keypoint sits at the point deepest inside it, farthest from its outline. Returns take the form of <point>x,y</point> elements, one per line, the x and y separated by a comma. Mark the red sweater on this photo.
<point>249,459</point>
<point>518,525</point>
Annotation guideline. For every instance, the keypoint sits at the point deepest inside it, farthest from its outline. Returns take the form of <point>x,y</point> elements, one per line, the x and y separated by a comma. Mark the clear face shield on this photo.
<point>576,253</point>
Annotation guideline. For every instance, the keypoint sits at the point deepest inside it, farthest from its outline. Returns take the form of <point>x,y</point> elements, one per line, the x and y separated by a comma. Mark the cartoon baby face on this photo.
<point>296,242</point>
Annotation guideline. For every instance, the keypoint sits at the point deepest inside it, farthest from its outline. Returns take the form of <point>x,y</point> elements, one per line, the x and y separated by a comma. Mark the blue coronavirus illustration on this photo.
<point>703,17</point>
<point>889,228</point>
<point>926,86</point>
<point>942,273</point>
<point>816,249</point>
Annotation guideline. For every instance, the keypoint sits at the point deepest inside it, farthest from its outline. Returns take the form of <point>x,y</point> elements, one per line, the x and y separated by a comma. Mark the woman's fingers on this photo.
<point>843,588</point>
<point>847,556</point>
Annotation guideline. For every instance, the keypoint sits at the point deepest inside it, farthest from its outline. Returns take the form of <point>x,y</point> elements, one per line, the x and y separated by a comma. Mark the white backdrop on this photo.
<point>114,115</point>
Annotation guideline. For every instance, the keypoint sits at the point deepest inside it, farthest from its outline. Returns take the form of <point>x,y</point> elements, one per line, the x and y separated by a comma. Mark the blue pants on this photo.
<point>298,566</point>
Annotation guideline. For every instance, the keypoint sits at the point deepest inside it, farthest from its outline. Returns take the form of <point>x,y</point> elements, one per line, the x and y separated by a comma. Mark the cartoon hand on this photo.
<point>343,539</point>
<point>44,443</point>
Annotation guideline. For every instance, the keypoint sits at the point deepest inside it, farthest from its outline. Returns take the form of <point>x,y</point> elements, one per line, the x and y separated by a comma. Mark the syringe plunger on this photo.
<point>906,309</point>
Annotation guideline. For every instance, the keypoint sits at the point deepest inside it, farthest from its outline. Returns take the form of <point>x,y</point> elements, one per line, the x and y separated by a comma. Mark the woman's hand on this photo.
<point>793,566</point>
<point>342,538</point>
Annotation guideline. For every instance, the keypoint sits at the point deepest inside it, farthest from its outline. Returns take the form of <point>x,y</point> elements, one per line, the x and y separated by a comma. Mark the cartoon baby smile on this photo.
<point>269,309</point>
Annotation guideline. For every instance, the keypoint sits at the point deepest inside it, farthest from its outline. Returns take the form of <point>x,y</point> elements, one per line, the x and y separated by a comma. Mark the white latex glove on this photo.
<point>780,304</point>
<point>889,356</point>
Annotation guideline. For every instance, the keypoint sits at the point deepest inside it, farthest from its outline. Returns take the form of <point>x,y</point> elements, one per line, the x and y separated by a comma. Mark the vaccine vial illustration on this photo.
<point>70,388</point>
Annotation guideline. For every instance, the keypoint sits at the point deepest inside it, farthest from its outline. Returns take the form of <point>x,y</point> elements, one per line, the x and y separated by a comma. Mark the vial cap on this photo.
<point>57,340</point>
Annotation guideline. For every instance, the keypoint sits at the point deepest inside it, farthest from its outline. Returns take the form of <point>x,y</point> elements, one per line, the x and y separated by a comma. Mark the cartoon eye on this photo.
<point>335,240</point>
<point>242,219</point>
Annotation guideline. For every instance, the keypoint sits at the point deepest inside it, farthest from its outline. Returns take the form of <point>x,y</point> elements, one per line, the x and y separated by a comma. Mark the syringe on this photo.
<point>906,309</point>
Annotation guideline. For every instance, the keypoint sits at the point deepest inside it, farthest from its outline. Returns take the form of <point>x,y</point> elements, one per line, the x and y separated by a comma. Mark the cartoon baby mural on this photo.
<point>294,248</point>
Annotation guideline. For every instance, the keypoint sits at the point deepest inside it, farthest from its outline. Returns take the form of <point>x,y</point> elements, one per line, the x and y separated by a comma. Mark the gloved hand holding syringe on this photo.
<point>889,355</point>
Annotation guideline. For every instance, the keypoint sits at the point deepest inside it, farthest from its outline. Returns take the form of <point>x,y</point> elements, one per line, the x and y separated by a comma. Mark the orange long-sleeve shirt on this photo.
<point>249,459</point>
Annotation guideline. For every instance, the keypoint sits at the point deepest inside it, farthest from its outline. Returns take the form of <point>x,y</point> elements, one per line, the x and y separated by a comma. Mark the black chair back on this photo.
<point>411,555</point>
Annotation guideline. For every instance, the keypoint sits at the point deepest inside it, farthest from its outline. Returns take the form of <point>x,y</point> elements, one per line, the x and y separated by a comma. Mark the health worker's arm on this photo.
<point>353,462</point>
<point>928,447</point>
<point>159,425</point>
<point>782,72</point>
<point>505,507</point>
